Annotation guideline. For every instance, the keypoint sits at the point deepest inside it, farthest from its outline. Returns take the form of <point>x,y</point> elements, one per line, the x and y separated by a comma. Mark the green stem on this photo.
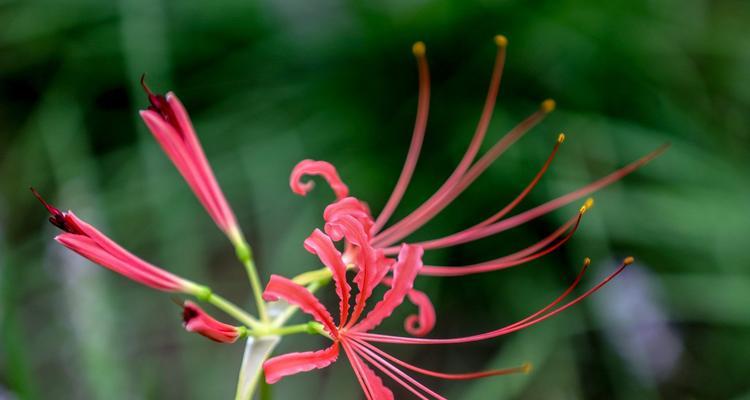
<point>245,255</point>
<point>237,313</point>
<point>265,390</point>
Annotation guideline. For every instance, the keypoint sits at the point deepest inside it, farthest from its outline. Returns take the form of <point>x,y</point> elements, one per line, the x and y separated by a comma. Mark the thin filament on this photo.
<point>473,148</point>
<point>447,240</point>
<point>495,265</point>
<point>442,375</point>
<point>534,319</point>
<point>385,366</point>
<point>423,106</point>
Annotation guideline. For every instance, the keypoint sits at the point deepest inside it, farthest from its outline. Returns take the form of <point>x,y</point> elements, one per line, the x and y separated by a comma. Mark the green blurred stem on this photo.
<point>237,313</point>
<point>245,255</point>
<point>266,392</point>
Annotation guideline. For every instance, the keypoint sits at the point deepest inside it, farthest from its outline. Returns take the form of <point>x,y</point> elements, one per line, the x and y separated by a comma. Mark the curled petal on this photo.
<point>321,245</point>
<point>198,321</point>
<point>283,288</point>
<point>368,260</point>
<point>289,364</point>
<point>322,168</point>
<point>349,206</point>
<point>422,323</point>
<point>404,272</point>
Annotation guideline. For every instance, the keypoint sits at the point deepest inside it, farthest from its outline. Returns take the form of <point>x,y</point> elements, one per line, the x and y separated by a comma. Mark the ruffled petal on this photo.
<point>350,206</point>
<point>322,168</point>
<point>368,260</point>
<point>321,245</point>
<point>283,288</point>
<point>289,364</point>
<point>404,272</point>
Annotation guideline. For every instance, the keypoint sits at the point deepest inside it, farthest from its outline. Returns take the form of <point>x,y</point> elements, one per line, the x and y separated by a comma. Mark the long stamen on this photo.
<point>499,264</point>
<point>474,145</point>
<point>423,106</point>
<point>534,319</point>
<point>361,377</point>
<point>447,240</point>
<point>538,211</point>
<point>540,244</point>
<point>554,204</point>
<point>385,366</point>
<point>525,368</point>
<point>442,202</point>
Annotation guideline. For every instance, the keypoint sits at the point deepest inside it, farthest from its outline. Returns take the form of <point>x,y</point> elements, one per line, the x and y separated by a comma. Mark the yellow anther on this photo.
<point>527,368</point>
<point>548,105</point>
<point>560,137</point>
<point>418,49</point>
<point>628,260</point>
<point>586,261</point>
<point>587,205</point>
<point>501,40</point>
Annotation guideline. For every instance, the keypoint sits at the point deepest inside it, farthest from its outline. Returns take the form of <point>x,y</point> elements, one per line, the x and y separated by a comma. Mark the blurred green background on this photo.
<point>272,82</point>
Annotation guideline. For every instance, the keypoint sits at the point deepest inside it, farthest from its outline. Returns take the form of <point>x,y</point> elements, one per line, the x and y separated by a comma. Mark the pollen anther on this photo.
<point>561,137</point>
<point>628,260</point>
<point>548,105</point>
<point>501,40</point>
<point>418,49</point>
<point>587,205</point>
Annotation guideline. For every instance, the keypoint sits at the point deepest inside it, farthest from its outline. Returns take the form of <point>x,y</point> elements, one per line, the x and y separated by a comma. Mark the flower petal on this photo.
<point>404,272</point>
<point>350,206</point>
<point>282,288</point>
<point>115,250</point>
<point>321,245</point>
<point>198,321</point>
<point>322,168</point>
<point>289,364</point>
<point>152,277</point>
<point>422,323</point>
<point>198,156</point>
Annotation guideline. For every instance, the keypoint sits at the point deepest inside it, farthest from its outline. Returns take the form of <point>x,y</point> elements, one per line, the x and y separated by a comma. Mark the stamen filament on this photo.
<point>464,376</point>
<point>495,265</point>
<point>472,150</point>
<point>502,331</point>
<point>447,240</point>
<point>538,211</point>
<point>385,366</point>
<point>423,106</point>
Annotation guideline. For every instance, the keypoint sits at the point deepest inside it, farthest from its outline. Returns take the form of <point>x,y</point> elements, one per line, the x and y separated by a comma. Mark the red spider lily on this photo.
<point>468,170</point>
<point>352,333</point>
<point>170,124</point>
<point>87,241</point>
<point>198,321</point>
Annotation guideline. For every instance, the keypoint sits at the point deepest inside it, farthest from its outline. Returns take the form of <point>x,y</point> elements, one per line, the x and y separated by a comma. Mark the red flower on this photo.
<point>170,124</point>
<point>352,332</point>
<point>87,241</point>
<point>468,170</point>
<point>196,320</point>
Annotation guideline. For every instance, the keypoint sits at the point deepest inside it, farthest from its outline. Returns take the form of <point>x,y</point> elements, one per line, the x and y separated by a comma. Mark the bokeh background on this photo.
<point>269,83</point>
